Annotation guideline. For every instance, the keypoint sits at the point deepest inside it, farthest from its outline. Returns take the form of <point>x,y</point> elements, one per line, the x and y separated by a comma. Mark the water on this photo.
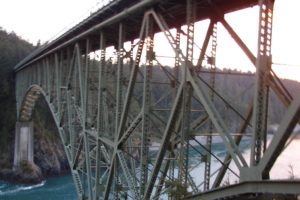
<point>58,188</point>
<point>62,188</point>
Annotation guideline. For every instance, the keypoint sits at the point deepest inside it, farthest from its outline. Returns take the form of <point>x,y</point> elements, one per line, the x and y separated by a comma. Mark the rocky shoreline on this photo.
<point>49,160</point>
<point>26,173</point>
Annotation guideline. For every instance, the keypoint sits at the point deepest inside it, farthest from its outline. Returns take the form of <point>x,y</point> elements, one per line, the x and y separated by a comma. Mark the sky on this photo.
<point>36,20</point>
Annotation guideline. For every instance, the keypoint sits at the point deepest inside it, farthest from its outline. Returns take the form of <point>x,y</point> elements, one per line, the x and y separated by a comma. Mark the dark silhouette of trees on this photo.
<point>12,50</point>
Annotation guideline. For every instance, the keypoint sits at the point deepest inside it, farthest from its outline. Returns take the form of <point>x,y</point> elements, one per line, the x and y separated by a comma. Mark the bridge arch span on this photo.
<point>24,133</point>
<point>28,103</point>
<point>132,127</point>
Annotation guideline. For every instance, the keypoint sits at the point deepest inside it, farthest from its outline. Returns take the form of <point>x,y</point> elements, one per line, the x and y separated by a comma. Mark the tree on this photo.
<point>13,49</point>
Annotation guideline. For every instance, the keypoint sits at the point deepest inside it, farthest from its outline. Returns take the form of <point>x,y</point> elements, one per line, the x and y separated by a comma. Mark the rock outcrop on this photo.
<point>49,155</point>
<point>26,172</point>
<point>49,160</point>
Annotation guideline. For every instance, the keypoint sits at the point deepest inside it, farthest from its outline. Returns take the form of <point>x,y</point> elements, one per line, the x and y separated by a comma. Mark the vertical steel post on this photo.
<point>86,71</point>
<point>48,78</point>
<point>84,124</point>
<point>70,125</point>
<point>51,62</point>
<point>38,73</point>
<point>57,84</point>
<point>177,59</point>
<point>263,67</point>
<point>212,84</point>
<point>145,137</point>
<point>119,78</point>
<point>44,75</point>
<point>186,99</point>
<point>100,125</point>
<point>175,89</point>
<point>119,94</point>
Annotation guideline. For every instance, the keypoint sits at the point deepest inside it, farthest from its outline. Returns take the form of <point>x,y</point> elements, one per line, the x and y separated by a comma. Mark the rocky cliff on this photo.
<point>49,156</point>
<point>49,160</point>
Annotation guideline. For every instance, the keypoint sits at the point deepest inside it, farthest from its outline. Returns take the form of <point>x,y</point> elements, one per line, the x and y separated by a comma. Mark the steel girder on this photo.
<point>254,190</point>
<point>128,127</point>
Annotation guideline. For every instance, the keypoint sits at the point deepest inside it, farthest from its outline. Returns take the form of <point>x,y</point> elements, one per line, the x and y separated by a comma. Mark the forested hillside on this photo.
<point>49,154</point>
<point>234,86</point>
<point>12,50</point>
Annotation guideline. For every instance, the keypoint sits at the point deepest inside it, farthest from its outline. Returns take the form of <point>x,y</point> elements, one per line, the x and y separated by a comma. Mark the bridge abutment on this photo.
<point>23,143</point>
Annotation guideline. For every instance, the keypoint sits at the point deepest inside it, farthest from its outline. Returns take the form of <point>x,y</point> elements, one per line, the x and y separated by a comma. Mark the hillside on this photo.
<point>237,88</point>
<point>12,50</point>
<point>49,153</point>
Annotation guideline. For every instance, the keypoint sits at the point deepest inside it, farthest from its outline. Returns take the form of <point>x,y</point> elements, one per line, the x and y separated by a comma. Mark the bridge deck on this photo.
<point>128,128</point>
<point>130,12</point>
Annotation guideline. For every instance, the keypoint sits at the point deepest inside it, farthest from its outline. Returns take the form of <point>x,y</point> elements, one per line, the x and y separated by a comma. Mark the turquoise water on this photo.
<point>57,188</point>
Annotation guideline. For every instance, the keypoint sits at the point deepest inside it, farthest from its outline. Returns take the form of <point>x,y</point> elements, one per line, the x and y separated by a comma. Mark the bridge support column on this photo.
<point>23,142</point>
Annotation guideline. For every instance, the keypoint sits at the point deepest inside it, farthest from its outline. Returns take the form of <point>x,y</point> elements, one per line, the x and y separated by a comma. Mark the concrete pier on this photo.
<point>23,142</point>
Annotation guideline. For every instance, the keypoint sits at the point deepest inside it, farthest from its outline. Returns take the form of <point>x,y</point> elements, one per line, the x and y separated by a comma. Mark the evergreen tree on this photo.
<point>12,50</point>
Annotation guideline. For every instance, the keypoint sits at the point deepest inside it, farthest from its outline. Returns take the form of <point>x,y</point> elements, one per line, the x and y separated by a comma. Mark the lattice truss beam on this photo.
<point>135,129</point>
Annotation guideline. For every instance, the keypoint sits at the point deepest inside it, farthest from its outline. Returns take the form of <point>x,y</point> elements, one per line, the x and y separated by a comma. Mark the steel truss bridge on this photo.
<point>129,124</point>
